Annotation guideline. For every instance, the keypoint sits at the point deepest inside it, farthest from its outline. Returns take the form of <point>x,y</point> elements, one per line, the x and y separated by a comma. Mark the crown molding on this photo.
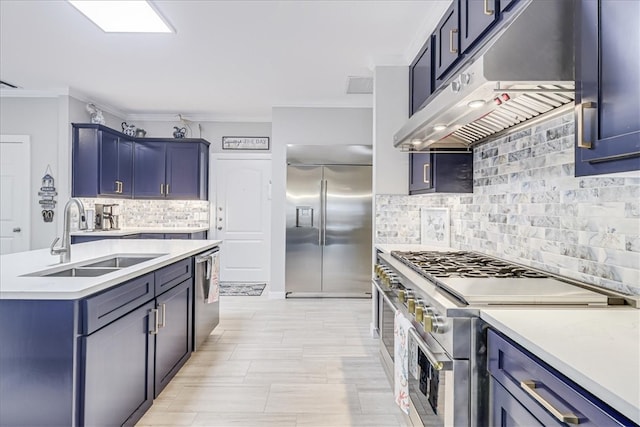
<point>166,117</point>
<point>33,93</point>
<point>83,97</point>
<point>57,92</point>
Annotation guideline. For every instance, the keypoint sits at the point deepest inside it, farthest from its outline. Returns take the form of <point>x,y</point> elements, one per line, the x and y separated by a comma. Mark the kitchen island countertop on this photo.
<point>14,284</point>
<point>599,349</point>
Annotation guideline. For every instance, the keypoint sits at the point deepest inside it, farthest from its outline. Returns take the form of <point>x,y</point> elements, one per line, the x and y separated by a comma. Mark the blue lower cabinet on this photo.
<point>116,386</point>
<point>173,340</point>
<point>200,235</point>
<point>83,239</point>
<point>37,363</point>
<point>507,411</point>
<point>525,381</point>
<point>97,361</point>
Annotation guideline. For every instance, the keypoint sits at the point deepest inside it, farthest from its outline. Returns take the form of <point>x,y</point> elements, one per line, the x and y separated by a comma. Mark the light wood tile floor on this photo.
<point>282,363</point>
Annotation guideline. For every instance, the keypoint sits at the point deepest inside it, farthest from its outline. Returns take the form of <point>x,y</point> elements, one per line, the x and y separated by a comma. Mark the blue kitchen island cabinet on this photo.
<point>118,362</point>
<point>102,162</point>
<point>607,87</point>
<point>98,360</point>
<point>164,169</point>
<point>524,390</point>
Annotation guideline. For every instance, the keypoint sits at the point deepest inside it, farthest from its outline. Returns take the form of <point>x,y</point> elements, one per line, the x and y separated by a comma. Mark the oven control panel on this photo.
<point>416,302</point>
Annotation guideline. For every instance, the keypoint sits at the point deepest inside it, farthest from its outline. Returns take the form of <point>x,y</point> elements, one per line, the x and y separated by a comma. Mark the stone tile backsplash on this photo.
<point>157,213</point>
<point>527,206</point>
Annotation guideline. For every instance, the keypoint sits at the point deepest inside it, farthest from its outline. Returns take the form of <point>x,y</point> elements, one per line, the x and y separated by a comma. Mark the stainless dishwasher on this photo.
<point>206,304</point>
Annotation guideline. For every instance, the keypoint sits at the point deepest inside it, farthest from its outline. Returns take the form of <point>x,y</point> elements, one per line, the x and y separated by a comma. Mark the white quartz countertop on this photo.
<point>599,349</point>
<point>13,267</point>
<point>137,230</point>
<point>388,247</point>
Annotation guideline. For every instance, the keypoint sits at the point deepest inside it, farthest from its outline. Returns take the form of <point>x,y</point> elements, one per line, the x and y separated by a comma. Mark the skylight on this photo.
<point>136,16</point>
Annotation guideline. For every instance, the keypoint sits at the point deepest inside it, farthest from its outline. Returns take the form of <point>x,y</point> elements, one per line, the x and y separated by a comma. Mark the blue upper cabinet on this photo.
<point>476,17</point>
<point>607,86</point>
<point>447,42</point>
<point>183,171</point>
<point>116,165</point>
<point>171,170</point>
<point>421,77</point>
<point>102,162</point>
<point>107,163</point>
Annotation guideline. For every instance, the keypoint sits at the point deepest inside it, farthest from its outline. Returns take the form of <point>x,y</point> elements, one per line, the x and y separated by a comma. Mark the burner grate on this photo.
<point>433,264</point>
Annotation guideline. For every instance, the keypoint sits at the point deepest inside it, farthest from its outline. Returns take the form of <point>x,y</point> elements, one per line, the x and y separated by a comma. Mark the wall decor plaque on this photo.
<point>245,142</point>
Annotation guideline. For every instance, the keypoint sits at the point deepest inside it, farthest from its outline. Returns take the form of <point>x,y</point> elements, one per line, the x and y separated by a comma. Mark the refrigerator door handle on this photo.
<point>320,223</point>
<point>324,213</point>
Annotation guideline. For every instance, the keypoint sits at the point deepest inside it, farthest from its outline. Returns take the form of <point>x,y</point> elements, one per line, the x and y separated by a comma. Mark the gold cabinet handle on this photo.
<point>425,173</point>
<point>529,387</point>
<point>487,11</point>
<point>452,48</point>
<point>580,113</point>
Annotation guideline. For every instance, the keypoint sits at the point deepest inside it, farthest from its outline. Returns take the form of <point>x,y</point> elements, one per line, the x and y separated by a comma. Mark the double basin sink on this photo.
<point>94,268</point>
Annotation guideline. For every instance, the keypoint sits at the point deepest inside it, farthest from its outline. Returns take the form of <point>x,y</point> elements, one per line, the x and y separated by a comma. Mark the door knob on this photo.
<point>17,230</point>
<point>219,228</point>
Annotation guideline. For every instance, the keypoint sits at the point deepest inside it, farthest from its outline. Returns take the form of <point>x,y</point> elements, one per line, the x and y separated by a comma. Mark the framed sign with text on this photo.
<point>245,142</point>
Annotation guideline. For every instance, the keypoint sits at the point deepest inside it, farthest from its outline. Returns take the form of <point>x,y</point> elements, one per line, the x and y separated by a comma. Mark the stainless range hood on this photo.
<point>524,71</point>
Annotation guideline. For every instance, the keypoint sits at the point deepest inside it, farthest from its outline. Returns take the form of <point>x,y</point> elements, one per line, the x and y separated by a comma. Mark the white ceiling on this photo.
<point>229,60</point>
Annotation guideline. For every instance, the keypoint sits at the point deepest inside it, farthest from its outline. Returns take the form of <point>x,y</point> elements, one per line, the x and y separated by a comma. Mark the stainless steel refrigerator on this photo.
<point>329,216</point>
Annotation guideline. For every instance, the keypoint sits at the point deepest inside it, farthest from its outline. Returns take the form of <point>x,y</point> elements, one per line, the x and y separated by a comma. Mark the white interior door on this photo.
<point>241,218</point>
<point>15,190</point>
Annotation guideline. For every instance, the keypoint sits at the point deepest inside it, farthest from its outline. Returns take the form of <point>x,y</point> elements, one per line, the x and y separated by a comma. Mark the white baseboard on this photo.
<point>277,295</point>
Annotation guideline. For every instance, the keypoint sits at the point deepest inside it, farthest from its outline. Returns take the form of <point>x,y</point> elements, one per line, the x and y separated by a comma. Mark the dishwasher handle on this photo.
<point>208,258</point>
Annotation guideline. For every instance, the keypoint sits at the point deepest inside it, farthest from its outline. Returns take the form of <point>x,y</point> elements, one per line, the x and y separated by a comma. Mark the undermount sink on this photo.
<point>81,272</point>
<point>97,266</point>
<point>119,262</point>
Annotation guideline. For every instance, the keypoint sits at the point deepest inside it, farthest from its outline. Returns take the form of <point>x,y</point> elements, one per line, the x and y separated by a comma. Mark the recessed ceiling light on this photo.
<point>416,142</point>
<point>476,103</point>
<point>439,127</point>
<point>123,16</point>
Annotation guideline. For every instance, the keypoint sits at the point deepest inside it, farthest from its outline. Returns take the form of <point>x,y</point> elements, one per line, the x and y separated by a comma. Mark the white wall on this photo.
<point>305,126</point>
<point>47,120</point>
<point>38,118</point>
<point>390,112</point>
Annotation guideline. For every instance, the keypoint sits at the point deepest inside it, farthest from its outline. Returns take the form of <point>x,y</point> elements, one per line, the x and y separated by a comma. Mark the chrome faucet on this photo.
<point>65,249</point>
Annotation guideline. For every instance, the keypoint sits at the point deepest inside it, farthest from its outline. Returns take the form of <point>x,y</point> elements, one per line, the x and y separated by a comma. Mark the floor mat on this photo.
<point>241,289</point>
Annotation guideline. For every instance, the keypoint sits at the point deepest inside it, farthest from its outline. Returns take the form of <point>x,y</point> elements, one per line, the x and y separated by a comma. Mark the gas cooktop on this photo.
<point>474,278</point>
<point>461,264</point>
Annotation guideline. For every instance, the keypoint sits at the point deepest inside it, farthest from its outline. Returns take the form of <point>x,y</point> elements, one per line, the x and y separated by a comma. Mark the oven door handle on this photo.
<point>441,363</point>
<point>386,298</point>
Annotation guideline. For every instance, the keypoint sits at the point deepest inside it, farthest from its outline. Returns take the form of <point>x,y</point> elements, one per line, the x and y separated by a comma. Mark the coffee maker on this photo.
<point>105,218</point>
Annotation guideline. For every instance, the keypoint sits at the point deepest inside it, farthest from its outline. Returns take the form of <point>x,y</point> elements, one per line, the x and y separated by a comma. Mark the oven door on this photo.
<point>387,313</point>
<point>433,394</point>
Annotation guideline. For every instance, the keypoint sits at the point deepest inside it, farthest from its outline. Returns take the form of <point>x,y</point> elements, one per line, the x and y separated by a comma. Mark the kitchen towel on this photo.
<point>401,326</point>
<point>214,279</point>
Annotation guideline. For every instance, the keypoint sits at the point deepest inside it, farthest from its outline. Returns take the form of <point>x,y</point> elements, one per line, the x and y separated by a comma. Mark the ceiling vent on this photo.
<point>359,85</point>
